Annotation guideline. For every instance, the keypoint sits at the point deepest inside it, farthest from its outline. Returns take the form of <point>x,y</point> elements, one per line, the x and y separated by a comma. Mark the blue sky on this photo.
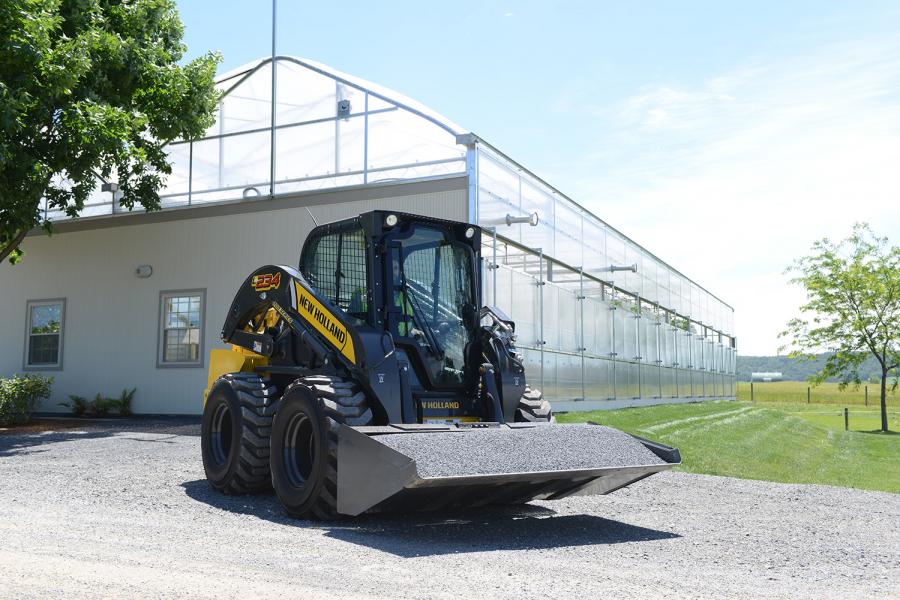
<point>723,137</point>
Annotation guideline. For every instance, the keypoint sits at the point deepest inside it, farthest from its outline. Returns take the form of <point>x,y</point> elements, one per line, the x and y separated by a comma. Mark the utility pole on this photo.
<point>274,89</point>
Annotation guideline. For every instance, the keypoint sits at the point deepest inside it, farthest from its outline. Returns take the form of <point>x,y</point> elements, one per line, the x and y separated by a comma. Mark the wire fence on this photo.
<point>801,392</point>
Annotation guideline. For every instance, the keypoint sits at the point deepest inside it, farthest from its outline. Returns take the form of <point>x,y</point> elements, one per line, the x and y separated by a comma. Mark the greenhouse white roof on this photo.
<point>228,79</point>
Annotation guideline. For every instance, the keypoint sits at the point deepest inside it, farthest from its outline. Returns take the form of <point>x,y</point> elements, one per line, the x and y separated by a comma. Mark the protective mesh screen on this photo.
<point>344,285</point>
<point>352,289</point>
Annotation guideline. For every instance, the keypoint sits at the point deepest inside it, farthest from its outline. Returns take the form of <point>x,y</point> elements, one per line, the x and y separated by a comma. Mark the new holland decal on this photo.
<point>440,405</point>
<point>324,322</point>
<point>266,281</point>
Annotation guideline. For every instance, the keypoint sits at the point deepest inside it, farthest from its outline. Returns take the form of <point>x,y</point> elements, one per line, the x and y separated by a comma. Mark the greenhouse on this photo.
<point>601,320</point>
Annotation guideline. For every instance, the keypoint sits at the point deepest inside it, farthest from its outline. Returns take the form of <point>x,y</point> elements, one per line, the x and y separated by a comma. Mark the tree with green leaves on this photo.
<point>91,90</point>
<point>852,308</point>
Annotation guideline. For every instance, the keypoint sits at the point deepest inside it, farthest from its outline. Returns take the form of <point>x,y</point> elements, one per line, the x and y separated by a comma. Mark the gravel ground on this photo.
<point>549,448</point>
<point>122,510</point>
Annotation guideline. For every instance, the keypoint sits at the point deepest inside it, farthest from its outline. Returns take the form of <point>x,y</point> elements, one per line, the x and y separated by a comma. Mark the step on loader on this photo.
<point>372,379</point>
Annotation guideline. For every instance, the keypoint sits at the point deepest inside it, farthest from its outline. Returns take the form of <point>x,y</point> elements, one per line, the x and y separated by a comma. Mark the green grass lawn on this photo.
<point>826,393</point>
<point>794,443</point>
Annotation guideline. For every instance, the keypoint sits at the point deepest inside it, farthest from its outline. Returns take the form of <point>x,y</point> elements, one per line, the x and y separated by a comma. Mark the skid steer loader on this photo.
<point>372,379</point>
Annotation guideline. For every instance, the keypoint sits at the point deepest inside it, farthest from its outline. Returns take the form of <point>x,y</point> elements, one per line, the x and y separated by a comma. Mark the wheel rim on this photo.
<point>221,435</point>
<point>299,449</point>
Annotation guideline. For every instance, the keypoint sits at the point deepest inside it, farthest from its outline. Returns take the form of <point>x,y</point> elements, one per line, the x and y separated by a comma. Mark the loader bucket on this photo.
<point>432,467</point>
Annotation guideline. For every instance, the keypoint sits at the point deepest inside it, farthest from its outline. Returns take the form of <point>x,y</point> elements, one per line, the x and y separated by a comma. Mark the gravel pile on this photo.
<point>505,450</point>
<point>124,511</point>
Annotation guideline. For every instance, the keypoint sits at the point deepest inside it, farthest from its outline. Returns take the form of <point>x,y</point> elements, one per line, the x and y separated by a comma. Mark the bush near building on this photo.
<point>19,395</point>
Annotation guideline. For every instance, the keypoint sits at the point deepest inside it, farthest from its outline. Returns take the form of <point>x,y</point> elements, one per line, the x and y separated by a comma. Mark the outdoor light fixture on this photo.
<point>470,232</point>
<point>109,186</point>
<point>390,220</point>
<point>143,271</point>
<point>532,219</point>
<point>613,268</point>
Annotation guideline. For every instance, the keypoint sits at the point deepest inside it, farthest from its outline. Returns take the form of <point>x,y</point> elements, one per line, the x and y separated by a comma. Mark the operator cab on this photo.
<point>410,276</point>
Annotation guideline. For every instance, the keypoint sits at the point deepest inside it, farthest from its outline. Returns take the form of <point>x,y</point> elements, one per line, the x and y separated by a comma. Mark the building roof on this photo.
<point>231,78</point>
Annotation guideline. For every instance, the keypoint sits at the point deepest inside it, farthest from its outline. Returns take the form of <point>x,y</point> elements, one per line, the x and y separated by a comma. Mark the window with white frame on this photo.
<point>181,328</point>
<point>45,334</point>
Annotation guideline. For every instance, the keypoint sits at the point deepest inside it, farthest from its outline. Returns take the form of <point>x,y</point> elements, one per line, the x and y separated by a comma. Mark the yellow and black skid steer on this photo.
<point>371,378</point>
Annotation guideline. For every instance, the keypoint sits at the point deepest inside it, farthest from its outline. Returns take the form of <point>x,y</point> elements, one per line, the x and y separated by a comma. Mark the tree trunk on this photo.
<point>4,252</point>
<point>884,420</point>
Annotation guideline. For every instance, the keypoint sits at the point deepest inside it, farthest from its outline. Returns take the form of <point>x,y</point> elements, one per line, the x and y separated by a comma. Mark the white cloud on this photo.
<point>732,180</point>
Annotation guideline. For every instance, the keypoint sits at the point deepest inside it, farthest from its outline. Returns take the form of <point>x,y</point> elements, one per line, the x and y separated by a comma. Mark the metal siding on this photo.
<point>112,316</point>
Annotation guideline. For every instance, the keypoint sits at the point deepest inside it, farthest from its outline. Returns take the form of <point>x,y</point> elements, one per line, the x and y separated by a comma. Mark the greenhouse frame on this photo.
<point>601,321</point>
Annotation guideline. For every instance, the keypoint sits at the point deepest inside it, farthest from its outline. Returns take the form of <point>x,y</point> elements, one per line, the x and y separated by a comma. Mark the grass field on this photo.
<point>786,442</point>
<point>826,393</point>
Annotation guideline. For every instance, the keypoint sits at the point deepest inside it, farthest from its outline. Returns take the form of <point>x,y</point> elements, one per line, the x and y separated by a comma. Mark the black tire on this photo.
<point>234,438</point>
<point>533,408</point>
<point>304,443</point>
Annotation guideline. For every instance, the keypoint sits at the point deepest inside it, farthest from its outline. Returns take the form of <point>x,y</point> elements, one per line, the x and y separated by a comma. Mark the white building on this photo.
<point>118,300</point>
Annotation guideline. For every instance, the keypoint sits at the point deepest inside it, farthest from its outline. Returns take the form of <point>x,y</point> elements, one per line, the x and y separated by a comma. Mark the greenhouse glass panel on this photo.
<point>594,236</point>
<point>621,348</point>
<point>650,381</point>
<point>627,380</point>
<point>552,316</point>
<point>401,138</point>
<point>629,336</point>
<point>525,307</point>
<point>531,359</point>
<point>504,289</point>
<point>351,147</point>
<point>247,106</point>
<point>304,95</point>
<point>498,192</point>
<point>550,385</point>
<point>177,184</point>
<point>570,241</point>
<point>667,345</point>
<point>568,374</point>
<point>647,271</point>
<point>697,384</point>
<point>224,168</point>
<point>682,383</point>
<point>598,379</point>
<point>534,198</point>
<point>627,279</point>
<point>649,348</point>
<point>598,327</point>
<point>696,352</point>
<point>568,310</point>
<point>615,252</point>
<point>305,151</point>
<point>670,382</point>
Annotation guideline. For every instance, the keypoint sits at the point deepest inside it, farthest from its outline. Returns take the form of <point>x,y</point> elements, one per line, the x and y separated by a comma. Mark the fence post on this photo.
<point>751,390</point>
<point>807,394</point>
<point>846,419</point>
<point>867,395</point>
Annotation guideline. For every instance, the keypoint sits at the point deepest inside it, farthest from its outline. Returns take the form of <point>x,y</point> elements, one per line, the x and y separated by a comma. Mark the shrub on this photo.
<point>78,405</point>
<point>101,406</point>
<point>124,402</point>
<point>19,395</point>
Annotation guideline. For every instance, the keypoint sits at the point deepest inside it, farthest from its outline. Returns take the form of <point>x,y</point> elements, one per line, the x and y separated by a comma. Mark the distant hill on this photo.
<point>795,370</point>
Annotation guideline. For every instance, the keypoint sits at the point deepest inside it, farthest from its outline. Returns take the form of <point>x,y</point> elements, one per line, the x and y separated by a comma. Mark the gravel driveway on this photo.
<point>123,510</point>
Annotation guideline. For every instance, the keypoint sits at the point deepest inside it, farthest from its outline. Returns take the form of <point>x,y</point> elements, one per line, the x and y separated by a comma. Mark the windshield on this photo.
<point>432,288</point>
